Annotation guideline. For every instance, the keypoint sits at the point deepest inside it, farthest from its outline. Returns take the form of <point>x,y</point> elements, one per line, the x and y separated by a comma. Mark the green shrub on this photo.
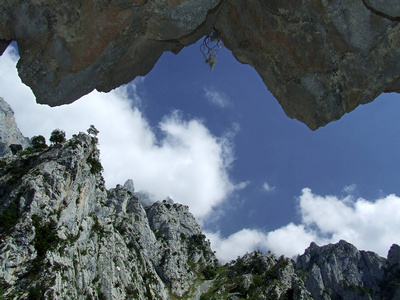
<point>57,136</point>
<point>39,142</point>
<point>9,217</point>
<point>197,241</point>
<point>209,273</point>
<point>36,293</point>
<point>95,164</point>
<point>45,236</point>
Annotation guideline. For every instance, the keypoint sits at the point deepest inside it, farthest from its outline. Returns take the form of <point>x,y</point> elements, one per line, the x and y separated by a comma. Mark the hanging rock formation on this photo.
<point>319,58</point>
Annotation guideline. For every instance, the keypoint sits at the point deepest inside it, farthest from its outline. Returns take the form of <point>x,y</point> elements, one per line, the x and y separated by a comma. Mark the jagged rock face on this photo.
<point>68,49</point>
<point>10,135</point>
<point>340,271</point>
<point>63,235</point>
<point>319,58</point>
<point>257,276</point>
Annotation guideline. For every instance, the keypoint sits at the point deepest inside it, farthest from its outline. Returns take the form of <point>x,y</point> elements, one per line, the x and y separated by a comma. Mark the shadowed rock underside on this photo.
<point>319,58</point>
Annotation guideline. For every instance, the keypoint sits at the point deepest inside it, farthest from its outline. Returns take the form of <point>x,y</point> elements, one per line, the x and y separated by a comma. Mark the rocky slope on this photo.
<point>10,136</point>
<point>319,58</point>
<point>63,235</point>
<point>341,271</point>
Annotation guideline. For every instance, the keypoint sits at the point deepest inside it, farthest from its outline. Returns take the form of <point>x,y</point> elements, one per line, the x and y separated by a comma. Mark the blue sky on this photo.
<point>219,142</point>
<point>362,149</point>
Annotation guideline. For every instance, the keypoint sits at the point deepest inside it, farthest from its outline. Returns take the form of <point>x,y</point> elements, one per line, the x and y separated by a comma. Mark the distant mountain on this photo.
<point>63,235</point>
<point>10,135</point>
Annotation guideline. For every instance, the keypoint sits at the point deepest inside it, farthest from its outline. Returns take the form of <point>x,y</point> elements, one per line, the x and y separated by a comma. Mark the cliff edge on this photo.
<point>63,235</point>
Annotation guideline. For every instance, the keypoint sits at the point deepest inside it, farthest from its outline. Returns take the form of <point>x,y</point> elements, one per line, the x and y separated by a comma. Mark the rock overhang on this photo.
<point>320,59</point>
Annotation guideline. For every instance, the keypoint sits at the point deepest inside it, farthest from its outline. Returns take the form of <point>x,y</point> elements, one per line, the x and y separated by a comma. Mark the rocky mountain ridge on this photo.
<point>63,235</point>
<point>320,59</point>
<point>10,136</point>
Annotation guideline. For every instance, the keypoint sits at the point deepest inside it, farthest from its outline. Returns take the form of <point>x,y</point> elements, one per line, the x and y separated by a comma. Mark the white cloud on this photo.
<point>268,187</point>
<point>368,225</point>
<point>349,189</point>
<point>216,97</point>
<point>371,226</point>
<point>187,163</point>
<point>241,185</point>
<point>237,244</point>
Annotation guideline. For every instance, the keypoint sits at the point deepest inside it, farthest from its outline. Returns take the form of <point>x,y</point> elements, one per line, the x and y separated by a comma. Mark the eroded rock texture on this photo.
<point>319,58</point>
<point>69,48</point>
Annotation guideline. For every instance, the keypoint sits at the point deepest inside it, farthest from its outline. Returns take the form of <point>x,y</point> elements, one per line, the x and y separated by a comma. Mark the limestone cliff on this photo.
<point>341,271</point>
<point>319,58</point>
<point>11,138</point>
<point>63,235</point>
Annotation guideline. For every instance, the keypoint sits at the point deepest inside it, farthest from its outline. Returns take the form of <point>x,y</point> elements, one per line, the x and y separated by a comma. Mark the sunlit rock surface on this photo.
<point>63,235</point>
<point>11,138</point>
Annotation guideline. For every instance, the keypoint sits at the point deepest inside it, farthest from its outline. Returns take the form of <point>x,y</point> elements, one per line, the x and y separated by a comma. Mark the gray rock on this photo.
<point>74,239</point>
<point>129,185</point>
<point>145,198</point>
<point>340,271</point>
<point>10,135</point>
<point>394,255</point>
<point>63,235</point>
<point>258,276</point>
<point>320,59</point>
<point>387,8</point>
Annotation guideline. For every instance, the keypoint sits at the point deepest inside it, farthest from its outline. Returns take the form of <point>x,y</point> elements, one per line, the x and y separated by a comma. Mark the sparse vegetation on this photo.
<point>39,142</point>
<point>9,217</point>
<point>209,272</point>
<point>93,132</point>
<point>45,236</point>
<point>166,204</point>
<point>95,164</point>
<point>131,291</point>
<point>96,227</point>
<point>211,45</point>
<point>57,137</point>
<point>36,293</point>
<point>197,241</point>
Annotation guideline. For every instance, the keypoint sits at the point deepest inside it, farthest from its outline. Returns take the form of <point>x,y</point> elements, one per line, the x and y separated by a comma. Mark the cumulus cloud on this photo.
<point>181,158</point>
<point>268,187</point>
<point>237,244</point>
<point>368,225</point>
<point>216,98</point>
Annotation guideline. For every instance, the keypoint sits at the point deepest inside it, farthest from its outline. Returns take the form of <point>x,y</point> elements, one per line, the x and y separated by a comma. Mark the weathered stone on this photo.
<point>72,238</point>
<point>69,49</point>
<point>340,271</point>
<point>10,135</point>
<point>320,59</point>
<point>387,8</point>
<point>64,236</point>
<point>258,276</point>
<point>129,185</point>
<point>394,255</point>
<point>3,45</point>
